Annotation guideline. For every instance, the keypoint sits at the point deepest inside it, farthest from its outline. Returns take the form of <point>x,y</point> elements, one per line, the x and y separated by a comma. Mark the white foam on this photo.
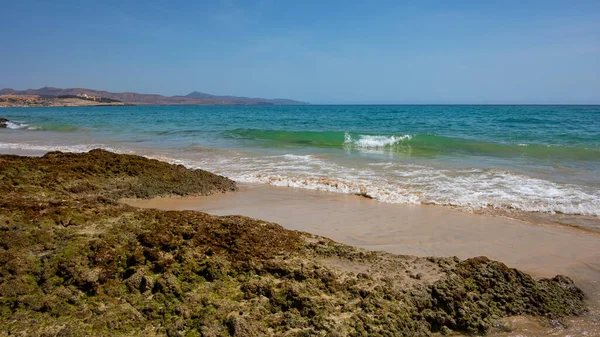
<point>468,189</point>
<point>368,141</point>
<point>15,125</point>
<point>298,157</point>
<point>63,148</point>
<point>390,181</point>
<point>380,141</point>
<point>468,193</point>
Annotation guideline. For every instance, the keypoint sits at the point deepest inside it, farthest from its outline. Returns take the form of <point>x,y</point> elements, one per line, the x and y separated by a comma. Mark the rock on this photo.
<point>139,282</point>
<point>502,292</point>
<point>445,331</point>
<point>503,326</point>
<point>3,122</point>
<point>240,326</point>
<point>129,271</point>
<point>167,284</point>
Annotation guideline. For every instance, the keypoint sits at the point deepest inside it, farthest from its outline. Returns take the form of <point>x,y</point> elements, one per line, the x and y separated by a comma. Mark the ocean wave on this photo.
<point>414,145</point>
<point>366,141</point>
<point>19,126</point>
<point>466,193</point>
<point>469,189</point>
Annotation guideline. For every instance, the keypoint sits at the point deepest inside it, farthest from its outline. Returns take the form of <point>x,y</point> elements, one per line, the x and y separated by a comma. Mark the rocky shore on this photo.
<point>74,261</point>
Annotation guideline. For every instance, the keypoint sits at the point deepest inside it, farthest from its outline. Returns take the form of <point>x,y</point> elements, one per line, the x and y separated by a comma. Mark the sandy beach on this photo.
<point>541,250</point>
<point>406,229</point>
<point>81,192</point>
<point>261,168</point>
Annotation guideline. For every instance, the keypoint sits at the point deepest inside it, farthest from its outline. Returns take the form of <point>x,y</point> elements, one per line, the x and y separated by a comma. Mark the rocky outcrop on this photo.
<point>73,261</point>
<point>478,290</point>
<point>3,122</point>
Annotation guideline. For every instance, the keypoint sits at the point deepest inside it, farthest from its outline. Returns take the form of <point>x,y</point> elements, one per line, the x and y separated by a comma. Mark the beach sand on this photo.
<point>541,250</point>
<point>406,229</point>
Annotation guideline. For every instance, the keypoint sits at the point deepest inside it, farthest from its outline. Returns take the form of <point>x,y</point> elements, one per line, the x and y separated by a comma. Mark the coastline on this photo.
<point>515,178</point>
<point>344,213</point>
<point>588,223</point>
<point>421,230</point>
<point>271,201</point>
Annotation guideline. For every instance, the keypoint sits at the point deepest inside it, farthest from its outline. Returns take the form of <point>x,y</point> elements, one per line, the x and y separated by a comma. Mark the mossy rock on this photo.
<point>74,261</point>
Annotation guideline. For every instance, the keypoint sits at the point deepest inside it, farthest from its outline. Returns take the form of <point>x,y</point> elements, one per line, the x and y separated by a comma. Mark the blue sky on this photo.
<point>319,51</point>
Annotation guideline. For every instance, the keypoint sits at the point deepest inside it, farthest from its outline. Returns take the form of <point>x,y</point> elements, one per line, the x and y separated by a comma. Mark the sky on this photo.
<point>349,52</point>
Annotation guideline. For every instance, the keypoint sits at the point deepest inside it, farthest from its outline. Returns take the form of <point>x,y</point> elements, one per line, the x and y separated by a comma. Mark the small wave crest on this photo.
<point>13,125</point>
<point>367,141</point>
<point>327,139</point>
<point>415,145</point>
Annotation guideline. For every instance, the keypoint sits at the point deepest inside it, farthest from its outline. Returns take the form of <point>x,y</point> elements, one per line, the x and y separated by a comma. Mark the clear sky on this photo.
<point>320,51</point>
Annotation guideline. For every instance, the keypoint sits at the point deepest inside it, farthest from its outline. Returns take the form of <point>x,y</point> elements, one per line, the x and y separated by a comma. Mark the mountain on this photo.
<point>274,101</point>
<point>151,99</point>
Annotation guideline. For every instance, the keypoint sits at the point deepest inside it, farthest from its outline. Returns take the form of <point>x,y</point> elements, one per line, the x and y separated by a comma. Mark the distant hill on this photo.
<point>12,100</point>
<point>194,98</point>
<point>274,101</point>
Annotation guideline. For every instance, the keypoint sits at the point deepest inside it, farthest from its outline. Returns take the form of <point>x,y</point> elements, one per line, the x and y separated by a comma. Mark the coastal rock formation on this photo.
<point>3,122</point>
<point>74,261</point>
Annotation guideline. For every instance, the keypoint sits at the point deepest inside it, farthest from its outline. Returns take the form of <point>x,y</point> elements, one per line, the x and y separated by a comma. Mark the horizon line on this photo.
<point>328,103</point>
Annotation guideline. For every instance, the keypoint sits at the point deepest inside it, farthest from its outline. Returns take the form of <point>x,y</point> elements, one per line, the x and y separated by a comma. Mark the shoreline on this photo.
<point>579,222</point>
<point>587,223</point>
<point>345,218</point>
<point>361,222</point>
<point>223,205</point>
<point>417,230</point>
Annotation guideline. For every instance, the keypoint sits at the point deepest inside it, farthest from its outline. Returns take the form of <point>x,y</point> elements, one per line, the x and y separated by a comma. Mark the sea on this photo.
<point>506,159</point>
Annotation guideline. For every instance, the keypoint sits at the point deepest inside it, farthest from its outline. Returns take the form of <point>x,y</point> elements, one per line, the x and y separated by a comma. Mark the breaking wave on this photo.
<point>393,182</point>
<point>19,126</point>
<point>418,145</point>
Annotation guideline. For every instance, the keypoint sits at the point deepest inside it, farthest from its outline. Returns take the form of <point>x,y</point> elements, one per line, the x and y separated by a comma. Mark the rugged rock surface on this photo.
<point>73,261</point>
<point>3,122</point>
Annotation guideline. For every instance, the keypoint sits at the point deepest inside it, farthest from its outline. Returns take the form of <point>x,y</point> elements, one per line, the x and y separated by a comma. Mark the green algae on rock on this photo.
<point>73,261</point>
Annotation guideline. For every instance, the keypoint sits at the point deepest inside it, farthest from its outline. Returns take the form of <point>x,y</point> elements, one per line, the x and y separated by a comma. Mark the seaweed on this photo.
<point>74,261</point>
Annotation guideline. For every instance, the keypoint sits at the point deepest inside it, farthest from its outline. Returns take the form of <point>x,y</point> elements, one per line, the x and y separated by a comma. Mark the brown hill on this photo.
<point>142,99</point>
<point>12,100</point>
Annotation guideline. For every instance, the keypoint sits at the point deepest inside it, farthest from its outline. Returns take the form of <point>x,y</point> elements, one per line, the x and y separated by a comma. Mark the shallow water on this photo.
<point>476,158</point>
<point>538,163</point>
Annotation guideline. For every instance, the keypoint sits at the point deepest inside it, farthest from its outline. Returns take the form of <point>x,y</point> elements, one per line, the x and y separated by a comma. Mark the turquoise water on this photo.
<point>530,158</point>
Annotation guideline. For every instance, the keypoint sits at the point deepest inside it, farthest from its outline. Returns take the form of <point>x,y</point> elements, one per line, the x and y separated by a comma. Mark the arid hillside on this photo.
<point>50,94</point>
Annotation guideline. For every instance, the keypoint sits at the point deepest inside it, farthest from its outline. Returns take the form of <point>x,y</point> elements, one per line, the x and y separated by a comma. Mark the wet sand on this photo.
<point>541,250</point>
